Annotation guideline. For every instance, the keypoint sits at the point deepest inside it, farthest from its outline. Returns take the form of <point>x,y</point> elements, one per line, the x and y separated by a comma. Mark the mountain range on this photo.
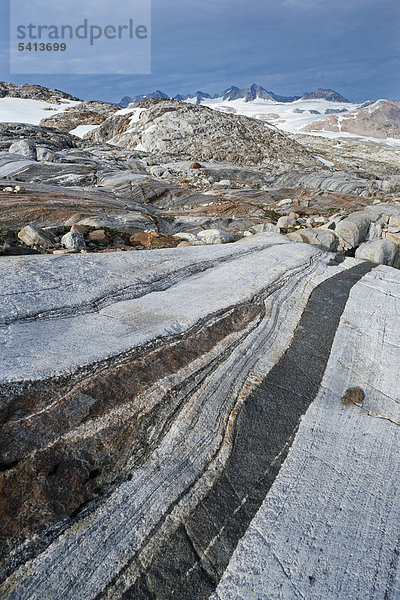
<point>254,92</point>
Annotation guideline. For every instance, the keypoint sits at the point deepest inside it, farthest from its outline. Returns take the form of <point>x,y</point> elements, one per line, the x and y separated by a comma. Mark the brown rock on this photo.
<point>353,396</point>
<point>99,236</point>
<point>195,165</point>
<point>79,229</point>
<point>154,240</point>
<point>184,244</point>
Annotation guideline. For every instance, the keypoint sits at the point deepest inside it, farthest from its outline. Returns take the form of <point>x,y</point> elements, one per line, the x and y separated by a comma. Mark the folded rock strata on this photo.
<point>149,401</point>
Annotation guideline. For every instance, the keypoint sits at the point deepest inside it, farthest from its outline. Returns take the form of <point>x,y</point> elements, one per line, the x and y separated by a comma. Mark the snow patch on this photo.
<point>22,110</point>
<point>81,130</point>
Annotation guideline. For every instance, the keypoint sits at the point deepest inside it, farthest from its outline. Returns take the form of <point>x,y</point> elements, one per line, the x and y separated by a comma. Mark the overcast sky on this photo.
<point>288,46</point>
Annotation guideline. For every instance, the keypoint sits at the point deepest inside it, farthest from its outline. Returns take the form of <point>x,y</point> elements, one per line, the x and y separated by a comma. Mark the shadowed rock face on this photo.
<point>324,95</point>
<point>203,134</point>
<point>146,412</point>
<point>379,120</point>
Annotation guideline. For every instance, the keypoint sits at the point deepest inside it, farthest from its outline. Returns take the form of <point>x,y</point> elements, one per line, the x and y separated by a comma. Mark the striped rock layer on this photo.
<point>172,425</point>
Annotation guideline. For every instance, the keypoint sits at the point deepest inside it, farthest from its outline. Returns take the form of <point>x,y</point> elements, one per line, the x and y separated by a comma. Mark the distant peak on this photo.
<point>325,94</point>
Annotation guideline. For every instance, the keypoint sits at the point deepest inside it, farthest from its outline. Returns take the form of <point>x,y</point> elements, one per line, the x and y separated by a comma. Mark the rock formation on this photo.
<point>33,92</point>
<point>139,445</point>
<point>202,134</point>
<point>324,94</point>
<point>85,113</point>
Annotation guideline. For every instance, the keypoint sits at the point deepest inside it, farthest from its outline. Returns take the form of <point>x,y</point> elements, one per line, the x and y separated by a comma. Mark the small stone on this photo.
<point>73,241</point>
<point>195,165</point>
<point>223,183</point>
<point>184,244</point>
<point>354,396</point>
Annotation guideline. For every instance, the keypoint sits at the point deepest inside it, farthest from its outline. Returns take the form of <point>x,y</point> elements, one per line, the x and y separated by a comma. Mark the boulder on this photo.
<point>374,232</point>
<point>34,236</point>
<point>264,228</point>
<point>78,229</point>
<point>323,238</point>
<point>286,222</point>
<point>73,241</point>
<point>383,252</point>
<point>215,236</point>
<point>353,229</point>
<point>394,237</point>
<point>24,148</point>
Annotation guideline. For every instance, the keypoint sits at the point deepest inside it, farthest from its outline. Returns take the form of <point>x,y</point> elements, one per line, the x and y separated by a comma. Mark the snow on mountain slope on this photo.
<point>298,116</point>
<point>22,110</point>
<point>288,116</point>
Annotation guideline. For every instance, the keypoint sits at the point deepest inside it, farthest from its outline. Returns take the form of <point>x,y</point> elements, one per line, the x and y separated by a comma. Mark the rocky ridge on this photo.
<point>254,92</point>
<point>178,129</point>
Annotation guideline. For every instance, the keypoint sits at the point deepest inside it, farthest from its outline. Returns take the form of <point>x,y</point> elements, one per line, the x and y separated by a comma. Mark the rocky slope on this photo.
<point>32,92</point>
<point>199,133</point>
<point>138,447</point>
<point>85,113</point>
<point>379,120</point>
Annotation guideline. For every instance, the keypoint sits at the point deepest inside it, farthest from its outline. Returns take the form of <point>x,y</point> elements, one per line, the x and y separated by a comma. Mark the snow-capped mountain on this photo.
<point>254,92</point>
<point>126,100</point>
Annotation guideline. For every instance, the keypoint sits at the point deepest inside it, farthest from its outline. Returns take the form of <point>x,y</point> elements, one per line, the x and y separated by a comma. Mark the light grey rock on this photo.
<point>149,386</point>
<point>133,221</point>
<point>374,232</point>
<point>286,222</point>
<point>34,236</point>
<point>383,252</point>
<point>73,241</point>
<point>353,229</point>
<point>24,148</point>
<point>215,236</point>
<point>324,239</point>
<point>394,221</point>
<point>265,227</point>
<point>329,526</point>
<point>46,155</point>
